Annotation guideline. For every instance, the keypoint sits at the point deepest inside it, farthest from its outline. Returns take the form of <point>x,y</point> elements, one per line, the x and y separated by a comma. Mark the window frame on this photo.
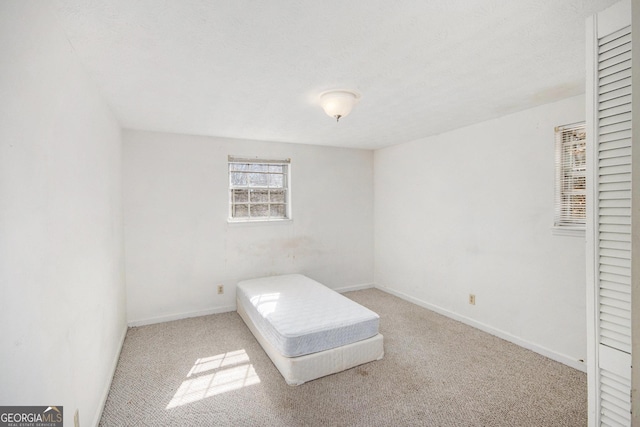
<point>570,180</point>
<point>252,186</point>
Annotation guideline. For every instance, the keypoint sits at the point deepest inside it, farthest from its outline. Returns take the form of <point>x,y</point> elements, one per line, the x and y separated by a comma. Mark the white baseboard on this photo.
<point>178,316</point>
<point>105,392</point>
<point>558,357</point>
<point>354,288</point>
<point>224,309</point>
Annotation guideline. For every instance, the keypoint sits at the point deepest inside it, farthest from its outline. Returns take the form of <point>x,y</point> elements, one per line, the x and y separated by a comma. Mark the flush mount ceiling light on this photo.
<point>338,103</point>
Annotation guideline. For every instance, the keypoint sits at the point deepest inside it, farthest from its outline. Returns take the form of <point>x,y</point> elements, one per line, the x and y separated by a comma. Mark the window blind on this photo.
<point>570,195</point>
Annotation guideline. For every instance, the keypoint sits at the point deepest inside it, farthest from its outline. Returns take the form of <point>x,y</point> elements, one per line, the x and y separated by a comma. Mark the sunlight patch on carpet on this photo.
<point>227,372</point>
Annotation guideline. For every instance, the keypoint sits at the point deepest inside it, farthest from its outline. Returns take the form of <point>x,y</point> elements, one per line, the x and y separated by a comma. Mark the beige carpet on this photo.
<point>210,371</point>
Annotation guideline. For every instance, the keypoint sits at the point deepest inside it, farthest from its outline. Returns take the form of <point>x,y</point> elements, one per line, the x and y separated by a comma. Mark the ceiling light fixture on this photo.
<point>338,103</point>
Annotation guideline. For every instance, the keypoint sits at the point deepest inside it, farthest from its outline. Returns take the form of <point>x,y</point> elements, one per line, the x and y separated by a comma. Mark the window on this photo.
<point>571,180</point>
<point>259,189</point>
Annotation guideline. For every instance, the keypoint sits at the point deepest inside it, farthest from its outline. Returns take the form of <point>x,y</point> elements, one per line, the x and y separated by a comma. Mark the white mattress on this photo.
<point>300,316</point>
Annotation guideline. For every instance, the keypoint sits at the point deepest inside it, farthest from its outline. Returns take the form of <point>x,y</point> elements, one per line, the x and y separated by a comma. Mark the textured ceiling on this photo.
<point>254,69</point>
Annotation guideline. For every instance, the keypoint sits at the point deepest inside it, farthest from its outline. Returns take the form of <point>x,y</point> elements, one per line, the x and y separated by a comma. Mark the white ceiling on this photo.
<point>254,69</point>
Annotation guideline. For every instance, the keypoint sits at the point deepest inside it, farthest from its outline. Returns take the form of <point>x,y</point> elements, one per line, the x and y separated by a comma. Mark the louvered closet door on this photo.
<point>614,189</point>
<point>612,225</point>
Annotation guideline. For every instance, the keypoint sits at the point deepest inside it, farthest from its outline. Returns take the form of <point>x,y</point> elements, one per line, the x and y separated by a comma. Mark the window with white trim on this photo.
<point>259,189</point>
<point>571,179</point>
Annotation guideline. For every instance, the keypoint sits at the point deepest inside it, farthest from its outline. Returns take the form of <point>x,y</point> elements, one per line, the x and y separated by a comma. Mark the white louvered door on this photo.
<point>609,233</point>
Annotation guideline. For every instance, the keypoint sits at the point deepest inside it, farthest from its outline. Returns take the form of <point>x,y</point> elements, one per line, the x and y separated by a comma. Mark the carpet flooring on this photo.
<point>210,371</point>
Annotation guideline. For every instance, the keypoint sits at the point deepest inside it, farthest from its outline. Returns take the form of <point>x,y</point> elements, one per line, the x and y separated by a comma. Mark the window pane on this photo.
<point>238,179</point>
<point>259,167</point>
<point>276,168</point>
<point>240,196</point>
<point>259,196</point>
<point>578,206</point>
<point>258,211</point>
<point>579,183</point>
<point>278,211</point>
<point>277,196</point>
<point>241,211</point>
<point>579,157</point>
<point>258,180</point>
<point>276,180</point>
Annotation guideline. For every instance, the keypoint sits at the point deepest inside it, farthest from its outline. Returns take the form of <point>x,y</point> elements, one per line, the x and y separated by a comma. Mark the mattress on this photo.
<point>298,370</point>
<point>299,316</point>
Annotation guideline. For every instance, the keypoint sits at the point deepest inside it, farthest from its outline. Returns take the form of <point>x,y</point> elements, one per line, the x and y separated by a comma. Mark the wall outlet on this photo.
<point>220,289</point>
<point>76,418</point>
<point>472,299</point>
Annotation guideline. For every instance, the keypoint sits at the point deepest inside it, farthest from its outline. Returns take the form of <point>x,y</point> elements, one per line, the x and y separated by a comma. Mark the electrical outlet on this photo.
<point>221,289</point>
<point>76,418</point>
<point>472,299</point>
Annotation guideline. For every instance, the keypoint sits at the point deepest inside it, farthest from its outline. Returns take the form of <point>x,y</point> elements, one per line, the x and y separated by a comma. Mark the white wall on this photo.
<point>179,245</point>
<point>470,211</point>
<point>62,299</point>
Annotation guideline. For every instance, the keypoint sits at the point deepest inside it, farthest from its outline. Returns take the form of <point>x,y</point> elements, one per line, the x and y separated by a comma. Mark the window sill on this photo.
<point>234,222</point>
<point>566,231</point>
